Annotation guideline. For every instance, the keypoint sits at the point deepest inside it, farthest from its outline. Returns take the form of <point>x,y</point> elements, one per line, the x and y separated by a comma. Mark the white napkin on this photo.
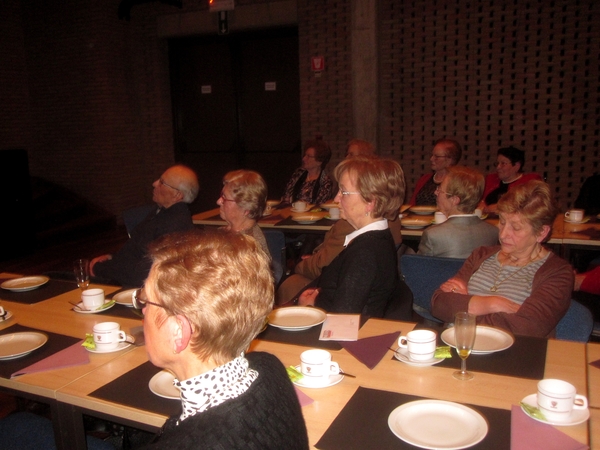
<point>340,327</point>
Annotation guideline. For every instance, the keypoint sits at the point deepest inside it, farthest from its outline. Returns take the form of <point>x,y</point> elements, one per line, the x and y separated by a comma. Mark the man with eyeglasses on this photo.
<point>173,191</point>
<point>457,197</point>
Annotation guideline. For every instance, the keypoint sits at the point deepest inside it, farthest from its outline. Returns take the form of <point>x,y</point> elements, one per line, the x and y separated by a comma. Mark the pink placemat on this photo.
<point>303,398</point>
<point>72,356</point>
<point>370,351</point>
<point>529,434</point>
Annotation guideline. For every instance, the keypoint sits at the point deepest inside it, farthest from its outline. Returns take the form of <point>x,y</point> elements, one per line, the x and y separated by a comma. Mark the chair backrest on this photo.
<point>576,325</point>
<point>276,243</point>
<point>133,216</point>
<point>423,275</point>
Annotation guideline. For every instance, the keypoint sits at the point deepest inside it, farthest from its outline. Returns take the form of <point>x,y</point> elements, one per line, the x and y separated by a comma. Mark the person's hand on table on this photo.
<point>308,297</point>
<point>100,258</point>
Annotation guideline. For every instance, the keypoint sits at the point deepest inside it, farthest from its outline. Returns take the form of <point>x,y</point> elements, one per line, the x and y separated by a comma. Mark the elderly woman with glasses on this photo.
<point>446,153</point>
<point>509,173</point>
<point>206,298</point>
<point>242,202</point>
<point>310,183</point>
<point>520,285</point>
<point>363,278</point>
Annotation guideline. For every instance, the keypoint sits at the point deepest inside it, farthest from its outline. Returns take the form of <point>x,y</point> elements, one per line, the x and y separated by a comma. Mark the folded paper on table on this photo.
<point>371,350</point>
<point>303,398</point>
<point>340,327</point>
<point>529,434</point>
<point>75,355</point>
<point>596,363</point>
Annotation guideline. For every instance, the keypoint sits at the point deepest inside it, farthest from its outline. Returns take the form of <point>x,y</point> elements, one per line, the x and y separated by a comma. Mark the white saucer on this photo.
<point>85,311</point>
<point>121,346</point>
<point>6,317</point>
<point>125,297</point>
<point>401,354</point>
<point>584,220</point>
<point>307,210</point>
<point>577,416</point>
<point>319,383</point>
<point>162,385</point>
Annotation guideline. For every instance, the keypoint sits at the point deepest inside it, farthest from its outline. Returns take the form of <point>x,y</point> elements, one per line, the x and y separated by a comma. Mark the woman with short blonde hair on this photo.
<point>206,298</point>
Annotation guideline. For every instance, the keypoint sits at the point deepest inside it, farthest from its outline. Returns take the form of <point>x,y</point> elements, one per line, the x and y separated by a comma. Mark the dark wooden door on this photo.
<point>236,105</point>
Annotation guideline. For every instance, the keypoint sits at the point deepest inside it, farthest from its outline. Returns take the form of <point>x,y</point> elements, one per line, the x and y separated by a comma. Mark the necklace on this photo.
<point>435,179</point>
<point>497,283</point>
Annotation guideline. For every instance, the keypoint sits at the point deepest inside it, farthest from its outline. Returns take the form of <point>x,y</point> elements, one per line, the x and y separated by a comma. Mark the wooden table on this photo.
<point>565,360</point>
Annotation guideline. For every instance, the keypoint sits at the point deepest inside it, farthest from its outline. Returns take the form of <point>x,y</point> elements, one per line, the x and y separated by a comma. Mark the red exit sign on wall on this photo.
<point>220,5</point>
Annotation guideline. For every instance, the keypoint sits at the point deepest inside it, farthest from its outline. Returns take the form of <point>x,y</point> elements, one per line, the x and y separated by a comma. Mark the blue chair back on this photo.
<point>576,325</point>
<point>423,275</point>
<point>276,243</point>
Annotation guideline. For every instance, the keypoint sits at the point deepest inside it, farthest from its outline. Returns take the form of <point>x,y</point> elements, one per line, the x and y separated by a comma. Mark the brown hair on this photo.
<point>533,200</point>
<point>322,150</point>
<point>381,180</point>
<point>221,282</point>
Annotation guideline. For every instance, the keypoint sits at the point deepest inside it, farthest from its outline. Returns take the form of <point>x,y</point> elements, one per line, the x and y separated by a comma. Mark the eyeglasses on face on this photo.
<point>439,191</point>
<point>225,199</point>
<point>347,192</point>
<point>140,301</point>
<point>161,181</point>
<point>502,164</point>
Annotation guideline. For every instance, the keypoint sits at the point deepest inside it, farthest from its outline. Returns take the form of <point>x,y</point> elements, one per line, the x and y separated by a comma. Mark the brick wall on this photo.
<point>88,95</point>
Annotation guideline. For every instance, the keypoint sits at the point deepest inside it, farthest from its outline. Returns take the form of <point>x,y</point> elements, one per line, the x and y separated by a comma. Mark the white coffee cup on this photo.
<point>92,298</point>
<point>2,312</point>
<point>419,343</point>
<point>300,206</point>
<point>108,335</point>
<point>557,399</point>
<point>334,213</point>
<point>574,215</point>
<point>317,363</point>
<point>268,210</point>
<point>478,212</point>
<point>439,217</point>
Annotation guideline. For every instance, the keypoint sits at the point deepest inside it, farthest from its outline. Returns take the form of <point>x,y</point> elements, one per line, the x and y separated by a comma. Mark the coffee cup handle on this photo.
<point>403,342</point>
<point>580,402</point>
<point>567,214</point>
<point>122,336</point>
<point>334,368</point>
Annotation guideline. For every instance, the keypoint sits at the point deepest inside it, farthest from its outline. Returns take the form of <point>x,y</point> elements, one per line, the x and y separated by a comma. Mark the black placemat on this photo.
<point>363,424</point>
<point>526,358</point>
<point>131,389</point>
<point>305,338</point>
<point>51,289</point>
<point>56,343</point>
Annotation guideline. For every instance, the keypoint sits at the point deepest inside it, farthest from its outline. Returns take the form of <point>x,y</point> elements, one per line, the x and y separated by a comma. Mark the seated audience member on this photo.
<point>446,153</point>
<point>589,195</point>
<point>363,278</point>
<point>242,202</point>
<point>509,173</point>
<point>310,183</point>
<point>463,232</point>
<point>333,243</point>
<point>206,298</point>
<point>173,191</point>
<point>519,285</point>
<point>359,147</point>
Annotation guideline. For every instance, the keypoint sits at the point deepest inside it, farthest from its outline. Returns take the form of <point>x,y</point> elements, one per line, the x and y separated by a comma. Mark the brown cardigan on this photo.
<point>540,313</point>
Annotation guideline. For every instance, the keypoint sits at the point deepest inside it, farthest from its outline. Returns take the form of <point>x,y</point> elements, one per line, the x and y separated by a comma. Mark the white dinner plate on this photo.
<point>423,210</point>
<point>415,222</point>
<point>124,298</point>
<point>25,283</point>
<point>487,340</point>
<point>317,382</point>
<point>15,345</point>
<point>81,309</point>
<point>401,354</point>
<point>161,384</point>
<point>327,206</point>
<point>297,318</point>
<point>584,220</point>
<point>577,416</point>
<point>121,346</point>
<point>437,424</point>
